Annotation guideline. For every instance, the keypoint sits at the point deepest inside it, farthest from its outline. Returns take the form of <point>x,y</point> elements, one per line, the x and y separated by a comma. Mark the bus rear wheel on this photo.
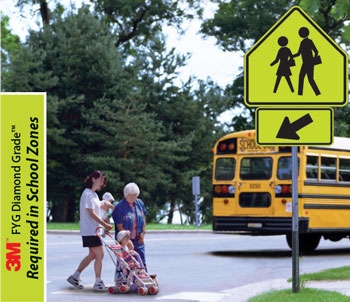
<point>307,242</point>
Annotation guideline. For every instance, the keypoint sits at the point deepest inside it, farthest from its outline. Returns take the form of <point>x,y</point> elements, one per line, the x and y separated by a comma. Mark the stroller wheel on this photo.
<point>111,289</point>
<point>142,291</point>
<point>153,290</point>
<point>124,289</point>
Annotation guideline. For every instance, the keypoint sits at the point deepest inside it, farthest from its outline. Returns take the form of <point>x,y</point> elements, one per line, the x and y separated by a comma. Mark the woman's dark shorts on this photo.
<point>91,241</point>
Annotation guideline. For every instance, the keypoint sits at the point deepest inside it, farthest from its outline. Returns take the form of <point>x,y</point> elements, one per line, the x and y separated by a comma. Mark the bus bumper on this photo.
<point>258,225</point>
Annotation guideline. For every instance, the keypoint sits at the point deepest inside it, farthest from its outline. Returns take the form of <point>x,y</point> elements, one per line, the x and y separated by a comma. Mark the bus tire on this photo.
<point>307,242</point>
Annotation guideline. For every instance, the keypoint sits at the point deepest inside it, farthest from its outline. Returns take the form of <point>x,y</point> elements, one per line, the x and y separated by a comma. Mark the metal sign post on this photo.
<point>283,114</point>
<point>295,221</point>
<point>196,192</point>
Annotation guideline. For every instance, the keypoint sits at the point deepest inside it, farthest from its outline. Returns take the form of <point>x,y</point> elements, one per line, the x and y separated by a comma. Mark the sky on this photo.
<point>207,59</point>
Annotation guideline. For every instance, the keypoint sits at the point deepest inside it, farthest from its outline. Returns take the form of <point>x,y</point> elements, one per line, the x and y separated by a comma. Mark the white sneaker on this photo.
<point>75,282</point>
<point>100,286</point>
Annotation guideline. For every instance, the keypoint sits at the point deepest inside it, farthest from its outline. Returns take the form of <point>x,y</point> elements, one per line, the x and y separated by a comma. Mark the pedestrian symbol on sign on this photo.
<point>293,73</point>
<point>309,55</point>
<point>286,61</point>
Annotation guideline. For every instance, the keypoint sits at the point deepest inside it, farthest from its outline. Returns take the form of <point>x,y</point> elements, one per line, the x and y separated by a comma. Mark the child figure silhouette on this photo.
<point>285,59</point>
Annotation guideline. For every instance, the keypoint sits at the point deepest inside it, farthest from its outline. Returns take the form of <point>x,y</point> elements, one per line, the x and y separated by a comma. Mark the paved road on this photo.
<point>192,266</point>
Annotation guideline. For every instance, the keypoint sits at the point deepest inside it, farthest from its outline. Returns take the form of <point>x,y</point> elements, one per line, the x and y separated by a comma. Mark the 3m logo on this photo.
<point>13,256</point>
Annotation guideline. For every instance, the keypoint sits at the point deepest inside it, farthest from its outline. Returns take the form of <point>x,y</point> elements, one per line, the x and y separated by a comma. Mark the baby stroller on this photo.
<point>130,274</point>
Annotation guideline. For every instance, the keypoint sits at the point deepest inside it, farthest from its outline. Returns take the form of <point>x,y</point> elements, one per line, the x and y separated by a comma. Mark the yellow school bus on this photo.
<point>252,189</point>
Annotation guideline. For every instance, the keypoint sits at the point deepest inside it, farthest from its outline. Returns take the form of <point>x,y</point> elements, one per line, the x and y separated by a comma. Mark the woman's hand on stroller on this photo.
<point>107,226</point>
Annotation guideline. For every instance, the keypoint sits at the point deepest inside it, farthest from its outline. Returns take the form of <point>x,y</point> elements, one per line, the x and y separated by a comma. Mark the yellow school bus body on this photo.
<point>252,189</point>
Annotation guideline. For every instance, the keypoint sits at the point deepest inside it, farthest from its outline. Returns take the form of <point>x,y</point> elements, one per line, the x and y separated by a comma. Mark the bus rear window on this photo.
<point>255,200</point>
<point>284,169</point>
<point>225,168</point>
<point>256,168</point>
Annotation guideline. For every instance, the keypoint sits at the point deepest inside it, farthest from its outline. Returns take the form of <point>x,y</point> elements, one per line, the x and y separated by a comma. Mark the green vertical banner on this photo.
<point>23,196</point>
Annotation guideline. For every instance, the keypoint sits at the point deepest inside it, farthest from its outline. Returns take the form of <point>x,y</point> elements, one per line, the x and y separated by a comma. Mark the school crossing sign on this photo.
<point>295,65</point>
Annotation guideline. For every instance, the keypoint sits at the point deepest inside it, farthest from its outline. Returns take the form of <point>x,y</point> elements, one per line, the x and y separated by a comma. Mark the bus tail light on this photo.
<point>228,146</point>
<point>231,146</point>
<point>226,201</point>
<point>224,189</point>
<point>232,189</point>
<point>222,147</point>
<point>284,189</point>
<point>284,201</point>
<point>278,189</point>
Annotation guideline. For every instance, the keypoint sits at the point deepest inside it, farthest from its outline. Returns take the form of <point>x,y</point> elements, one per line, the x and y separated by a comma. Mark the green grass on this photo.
<point>62,226</point>
<point>304,295</point>
<point>151,226</point>
<point>340,273</point>
<point>309,294</point>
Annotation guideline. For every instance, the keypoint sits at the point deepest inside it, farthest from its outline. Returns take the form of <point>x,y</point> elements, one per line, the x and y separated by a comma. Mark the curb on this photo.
<point>77,232</point>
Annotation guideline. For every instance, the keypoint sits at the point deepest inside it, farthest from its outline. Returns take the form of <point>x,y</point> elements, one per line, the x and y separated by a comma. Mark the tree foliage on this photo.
<point>139,20</point>
<point>119,113</point>
<point>112,101</point>
<point>9,44</point>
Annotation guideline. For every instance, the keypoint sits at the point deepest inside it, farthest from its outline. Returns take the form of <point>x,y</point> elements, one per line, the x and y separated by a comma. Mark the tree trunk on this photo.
<point>44,12</point>
<point>171,212</point>
<point>64,212</point>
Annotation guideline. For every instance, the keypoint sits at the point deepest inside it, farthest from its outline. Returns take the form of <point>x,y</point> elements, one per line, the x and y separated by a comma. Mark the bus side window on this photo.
<point>328,168</point>
<point>310,174</point>
<point>311,167</point>
<point>344,169</point>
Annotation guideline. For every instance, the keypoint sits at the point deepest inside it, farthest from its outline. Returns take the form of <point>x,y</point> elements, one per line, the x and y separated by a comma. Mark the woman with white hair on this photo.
<point>130,215</point>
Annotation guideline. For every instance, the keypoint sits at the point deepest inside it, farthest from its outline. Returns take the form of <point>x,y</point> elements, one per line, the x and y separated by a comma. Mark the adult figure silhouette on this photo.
<point>308,51</point>
<point>285,57</point>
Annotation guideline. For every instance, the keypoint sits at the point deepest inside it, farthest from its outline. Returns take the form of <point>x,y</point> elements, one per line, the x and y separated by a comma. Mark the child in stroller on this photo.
<point>130,274</point>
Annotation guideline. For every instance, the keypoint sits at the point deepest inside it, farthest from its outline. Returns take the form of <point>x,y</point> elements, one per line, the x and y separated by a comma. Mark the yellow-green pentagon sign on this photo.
<point>294,126</point>
<point>23,198</point>
<point>295,63</point>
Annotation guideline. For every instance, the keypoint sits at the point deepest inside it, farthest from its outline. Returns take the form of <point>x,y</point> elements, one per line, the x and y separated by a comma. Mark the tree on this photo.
<point>9,44</point>
<point>119,113</point>
<point>140,20</point>
<point>51,61</point>
<point>332,15</point>
<point>188,117</point>
<point>43,9</point>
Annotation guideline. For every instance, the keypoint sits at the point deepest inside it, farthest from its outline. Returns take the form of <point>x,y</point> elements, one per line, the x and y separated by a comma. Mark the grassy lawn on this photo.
<point>304,295</point>
<point>75,226</point>
<point>309,294</point>
<point>340,273</point>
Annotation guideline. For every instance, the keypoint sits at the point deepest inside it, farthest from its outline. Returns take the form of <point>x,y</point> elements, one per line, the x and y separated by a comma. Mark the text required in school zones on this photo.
<point>23,196</point>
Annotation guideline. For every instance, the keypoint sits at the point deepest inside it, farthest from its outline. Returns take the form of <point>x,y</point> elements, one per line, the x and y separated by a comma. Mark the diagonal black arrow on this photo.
<point>289,130</point>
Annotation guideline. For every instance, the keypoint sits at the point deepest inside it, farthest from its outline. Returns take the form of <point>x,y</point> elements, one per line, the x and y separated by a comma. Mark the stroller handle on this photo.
<point>101,232</point>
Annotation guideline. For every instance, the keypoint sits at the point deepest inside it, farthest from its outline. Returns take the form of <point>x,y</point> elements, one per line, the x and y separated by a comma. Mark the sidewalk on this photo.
<point>244,293</point>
